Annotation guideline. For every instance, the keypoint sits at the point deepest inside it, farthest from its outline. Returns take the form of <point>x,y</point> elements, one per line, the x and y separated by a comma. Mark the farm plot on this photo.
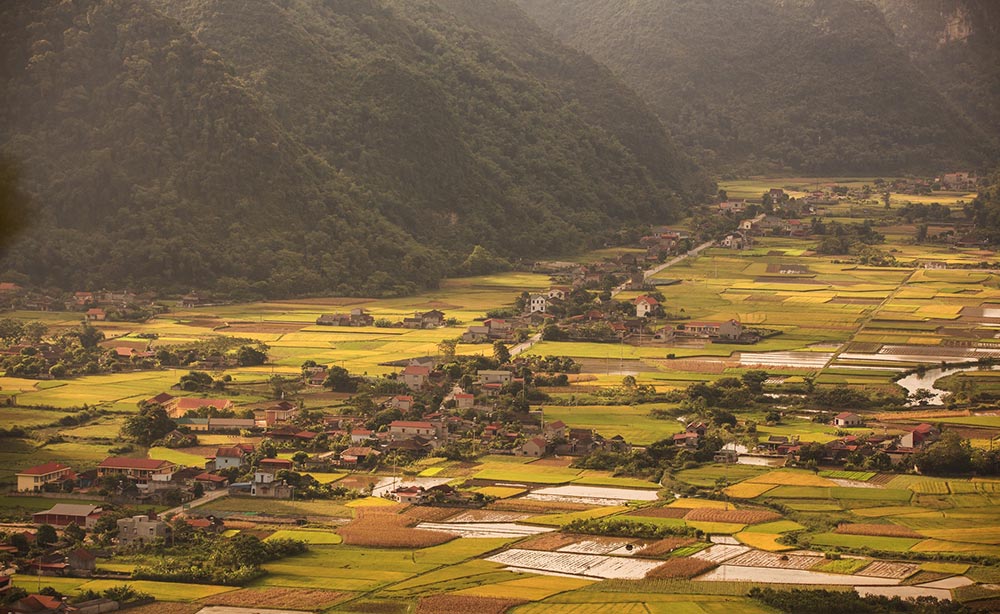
<point>557,520</point>
<point>588,565</point>
<point>732,516</point>
<point>294,599</point>
<point>480,516</point>
<point>788,477</point>
<point>887,544</point>
<point>720,552</point>
<point>483,529</point>
<point>889,569</point>
<point>979,535</point>
<point>878,530</point>
<point>389,529</point>
<point>532,587</point>
<point>768,575</point>
<point>681,567</point>
<point>463,604</point>
<point>763,541</point>
<point>756,558</point>
<point>748,490</point>
<point>594,495</point>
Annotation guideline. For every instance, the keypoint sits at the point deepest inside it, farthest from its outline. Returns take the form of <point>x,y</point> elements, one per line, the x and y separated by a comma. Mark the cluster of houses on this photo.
<point>897,447</point>
<point>359,317</point>
<point>94,305</point>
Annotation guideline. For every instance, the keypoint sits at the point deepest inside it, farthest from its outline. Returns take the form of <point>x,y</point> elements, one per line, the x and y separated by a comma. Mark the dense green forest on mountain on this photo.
<point>955,43</point>
<point>812,86</point>
<point>305,146</point>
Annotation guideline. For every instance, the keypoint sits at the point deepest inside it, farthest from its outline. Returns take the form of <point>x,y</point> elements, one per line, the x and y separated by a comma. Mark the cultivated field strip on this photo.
<point>757,558</point>
<point>484,529</point>
<point>590,565</point>
<point>721,552</point>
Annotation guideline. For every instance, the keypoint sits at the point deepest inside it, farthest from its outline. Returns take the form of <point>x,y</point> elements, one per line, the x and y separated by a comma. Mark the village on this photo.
<point>569,411</point>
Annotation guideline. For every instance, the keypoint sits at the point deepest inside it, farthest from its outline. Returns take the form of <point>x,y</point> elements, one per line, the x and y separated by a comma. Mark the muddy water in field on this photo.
<point>916,381</point>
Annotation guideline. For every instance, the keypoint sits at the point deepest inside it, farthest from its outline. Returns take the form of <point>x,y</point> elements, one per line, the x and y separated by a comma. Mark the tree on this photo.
<point>447,349</point>
<point>46,535</point>
<point>754,380</point>
<point>150,424</point>
<point>300,457</point>
<point>249,356</point>
<point>89,336</point>
<point>339,379</point>
<point>500,353</point>
<point>198,490</point>
<point>74,533</point>
<point>950,454</point>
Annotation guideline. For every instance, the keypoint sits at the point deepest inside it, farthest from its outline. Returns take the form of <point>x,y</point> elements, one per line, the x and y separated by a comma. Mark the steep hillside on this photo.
<point>957,44</point>
<point>305,146</point>
<point>807,86</point>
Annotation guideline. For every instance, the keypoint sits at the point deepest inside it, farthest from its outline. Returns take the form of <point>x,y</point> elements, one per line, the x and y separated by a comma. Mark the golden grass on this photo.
<point>791,478</point>
<point>748,490</point>
<point>371,502</point>
<point>702,503</point>
<point>763,541</point>
<point>500,492</point>
<point>877,530</point>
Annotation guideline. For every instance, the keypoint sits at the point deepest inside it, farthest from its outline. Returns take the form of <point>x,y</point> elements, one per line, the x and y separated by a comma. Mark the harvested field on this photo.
<point>666,546</point>
<point>596,494</point>
<point>681,567</point>
<point>889,569</point>
<point>463,604</point>
<point>775,561</point>
<point>690,504</point>
<point>426,513</point>
<point>388,530</point>
<point>289,598</point>
<point>734,516</point>
<point>720,552</point>
<point>608,567</point>
<point>537,507</point>
<point>482,529</point>
<point>880,530</point>
<point>978,535</point>
<point>599,544</point>
<point>488,516</point>
<point>549,541</point>
<point>733,573</point>
<point>167,607</point>
<point>660,512</point>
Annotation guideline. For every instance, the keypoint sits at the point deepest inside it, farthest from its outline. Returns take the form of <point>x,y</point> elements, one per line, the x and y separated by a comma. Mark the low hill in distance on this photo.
<point>808,86</point>
<point>280,148</point>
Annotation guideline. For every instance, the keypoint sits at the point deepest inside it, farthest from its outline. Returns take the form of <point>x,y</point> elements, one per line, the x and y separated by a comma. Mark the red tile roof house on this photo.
<point>414,376</point>
<point>409,494</point>
<point>211,481</point>
<point>229,457</point>
<point>35,478</point>
<point>65,514</point>
<point>644,305</point>
<point>141,470</point>
<point>179,406</point>
<point>402,429</point>
<point>846,418</point>
<point>274,465</point>
<point>41,604</point>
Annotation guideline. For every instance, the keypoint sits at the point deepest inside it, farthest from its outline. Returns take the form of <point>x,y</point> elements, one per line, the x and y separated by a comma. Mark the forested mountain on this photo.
<point>817,86</point>
<point>304,146</point>
<point>957,45</point>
